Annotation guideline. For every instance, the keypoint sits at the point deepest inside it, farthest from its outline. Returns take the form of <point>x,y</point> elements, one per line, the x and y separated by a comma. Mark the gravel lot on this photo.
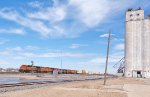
<point>88,88</point>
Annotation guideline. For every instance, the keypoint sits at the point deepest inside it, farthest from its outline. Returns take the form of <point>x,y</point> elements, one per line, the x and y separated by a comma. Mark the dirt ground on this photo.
<point>93,88</point>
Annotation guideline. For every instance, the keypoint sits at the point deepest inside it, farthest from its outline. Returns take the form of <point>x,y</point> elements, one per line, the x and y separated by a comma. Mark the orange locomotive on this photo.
<point>35,69</point>
<point>28,68</point>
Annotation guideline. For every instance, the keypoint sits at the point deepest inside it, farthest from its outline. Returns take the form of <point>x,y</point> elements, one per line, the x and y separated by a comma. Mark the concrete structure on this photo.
<point>137,44</point>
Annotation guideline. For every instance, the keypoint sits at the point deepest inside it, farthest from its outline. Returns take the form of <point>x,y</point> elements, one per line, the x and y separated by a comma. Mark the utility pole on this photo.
<point>32,63</point>
<point>61,62</point>
<point>105,74</point>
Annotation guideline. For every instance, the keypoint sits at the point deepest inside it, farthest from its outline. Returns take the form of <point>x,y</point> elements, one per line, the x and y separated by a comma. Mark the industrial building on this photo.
<point>137,44</point>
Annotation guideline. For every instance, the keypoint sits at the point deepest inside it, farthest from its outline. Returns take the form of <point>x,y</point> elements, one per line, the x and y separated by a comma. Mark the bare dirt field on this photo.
<point>117,87</point>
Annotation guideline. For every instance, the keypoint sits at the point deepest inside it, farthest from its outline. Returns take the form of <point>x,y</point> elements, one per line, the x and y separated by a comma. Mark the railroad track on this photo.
<point>24,84</point>
<point>41,82</point>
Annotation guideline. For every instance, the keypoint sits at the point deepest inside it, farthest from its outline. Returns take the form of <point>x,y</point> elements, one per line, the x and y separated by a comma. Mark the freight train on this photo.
<point>38,69</point>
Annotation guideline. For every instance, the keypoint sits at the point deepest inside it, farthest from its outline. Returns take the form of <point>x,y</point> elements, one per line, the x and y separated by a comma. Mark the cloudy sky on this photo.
<point>45,30</point>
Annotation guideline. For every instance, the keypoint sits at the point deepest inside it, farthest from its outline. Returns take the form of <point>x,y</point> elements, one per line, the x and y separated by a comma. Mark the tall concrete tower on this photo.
<point>137,47</point>
<point>146,48</point>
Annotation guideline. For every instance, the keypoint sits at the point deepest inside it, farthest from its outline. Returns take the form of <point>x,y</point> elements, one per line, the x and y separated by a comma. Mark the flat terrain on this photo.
<point>117,87</point>
<point>23,77</point>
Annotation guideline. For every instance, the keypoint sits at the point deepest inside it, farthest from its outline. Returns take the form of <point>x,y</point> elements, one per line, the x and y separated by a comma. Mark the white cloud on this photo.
<point>53,55</point>
<point>35,4</point>
<point>26,48</point>
<point>113,58</point>
<point>53,14</point>
<point>91,12</point>
<point>76,55</point>
<point>119,46</point>
<point>105,35</point>
<point>33,52</point>
<point>13,31</point>
<point>75,46</point>
<point>17,49</point>
<point>27,55</point>
<point>16,17</point>
<point>119,39</point>
<point>94,12</point>
<point>52,21</point>
<point>35,25</point>
<point>29,47</point>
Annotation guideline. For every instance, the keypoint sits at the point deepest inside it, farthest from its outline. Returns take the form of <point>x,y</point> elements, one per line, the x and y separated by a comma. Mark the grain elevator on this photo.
<point>137,44</point>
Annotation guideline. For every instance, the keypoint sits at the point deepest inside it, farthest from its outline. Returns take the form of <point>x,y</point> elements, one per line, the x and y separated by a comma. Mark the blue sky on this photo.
<point>40,30</point>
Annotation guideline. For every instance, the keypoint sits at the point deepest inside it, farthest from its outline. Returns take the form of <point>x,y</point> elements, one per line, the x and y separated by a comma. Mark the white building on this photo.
<point>137,44</point>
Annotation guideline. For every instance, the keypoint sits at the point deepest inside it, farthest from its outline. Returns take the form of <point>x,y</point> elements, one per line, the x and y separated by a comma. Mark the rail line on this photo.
<point>41,82</point>
<point>49,81</point>
<point>24,84</point>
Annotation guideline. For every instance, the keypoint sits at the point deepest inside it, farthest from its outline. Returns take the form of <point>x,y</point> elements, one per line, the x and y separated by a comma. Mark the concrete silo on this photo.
<point>137,47</point>
<point>146,48</point>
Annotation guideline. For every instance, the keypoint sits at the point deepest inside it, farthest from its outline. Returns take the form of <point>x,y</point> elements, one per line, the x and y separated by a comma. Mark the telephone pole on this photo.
<point>61,62</point>
<point>105,74</point>
<point>32,63</point>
